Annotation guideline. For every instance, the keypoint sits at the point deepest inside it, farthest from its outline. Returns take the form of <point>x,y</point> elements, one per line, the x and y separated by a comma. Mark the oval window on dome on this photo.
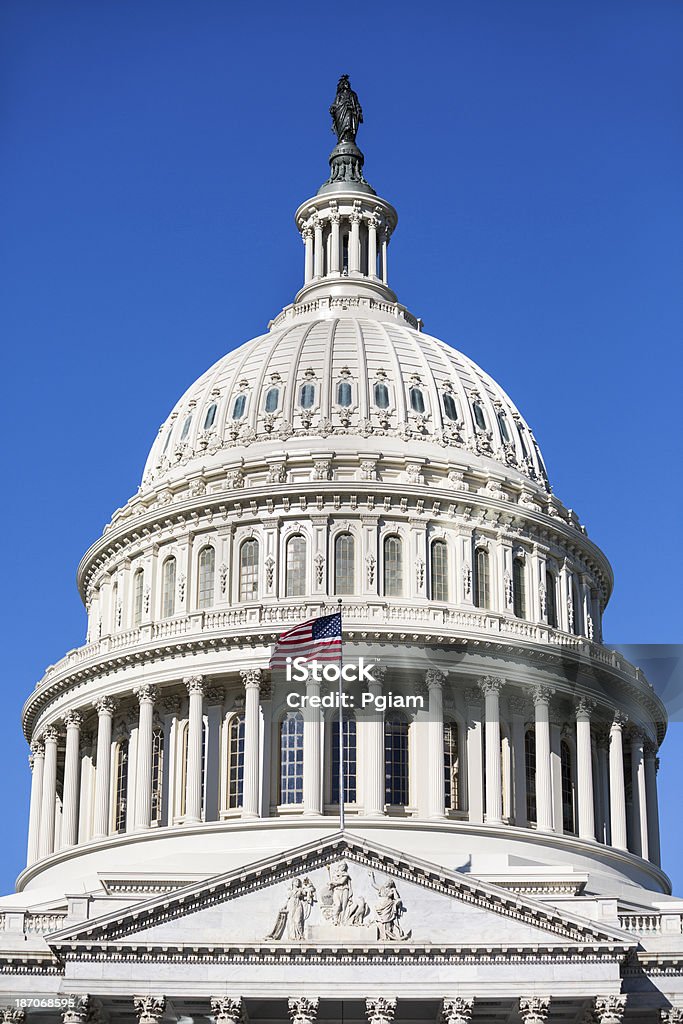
<point>210,417</point>
<point>479,417</point>
<point>238,407</point>
<point>381,396</point>
<point>307,396</point>
<point>503,424</point>
<point>417,402</point>
<point>344,394</point>
<point>186,427</point>
<point>449,407</point>
<point>272,398</point>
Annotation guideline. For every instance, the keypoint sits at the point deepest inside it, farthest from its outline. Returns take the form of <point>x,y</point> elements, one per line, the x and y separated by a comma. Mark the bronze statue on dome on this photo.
<point>346,111</point>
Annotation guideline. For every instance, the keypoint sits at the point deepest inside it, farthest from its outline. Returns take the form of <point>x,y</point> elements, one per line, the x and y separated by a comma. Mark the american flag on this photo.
<point>319,638</point>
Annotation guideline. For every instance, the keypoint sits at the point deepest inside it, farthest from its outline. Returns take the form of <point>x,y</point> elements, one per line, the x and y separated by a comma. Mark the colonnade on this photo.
<point>337,243</point>
<point>497,776</point>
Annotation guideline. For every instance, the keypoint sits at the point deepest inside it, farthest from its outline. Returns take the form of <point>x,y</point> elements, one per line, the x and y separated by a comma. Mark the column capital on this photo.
<point>610,1009</point>
<point>619,720</point>
<point>584,707</point>
<point>457,1011</point>
<point>37,747</point>
<point>50,734</point>
<point>673,1015</point>
<point>150,1009</point>
<point>650,748</point>
<point>12,1015</point>
<point>226,1009</point>
<point>77,1011</point>
<point>194,684</point>
<point>251,677</point>
<point>434,678</point>
<point>380,1011</point>
<point>73,720</point>
<point>541,694</point>
<point>491,684</point>
<point>303,1011</point>
<point>145,693</point>
<point>379,672</point>
<point>534,1009</point>
<point>105,705</point>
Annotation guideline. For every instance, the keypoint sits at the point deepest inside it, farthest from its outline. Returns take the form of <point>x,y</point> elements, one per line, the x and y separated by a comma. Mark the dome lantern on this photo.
<point>346,226</point>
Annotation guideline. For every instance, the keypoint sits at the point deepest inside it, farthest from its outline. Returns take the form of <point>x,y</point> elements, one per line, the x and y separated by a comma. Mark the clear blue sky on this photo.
<point>152,155</point>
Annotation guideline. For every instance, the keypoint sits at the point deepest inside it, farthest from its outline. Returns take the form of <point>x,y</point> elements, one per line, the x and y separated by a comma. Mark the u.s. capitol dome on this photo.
<point>345,454</point>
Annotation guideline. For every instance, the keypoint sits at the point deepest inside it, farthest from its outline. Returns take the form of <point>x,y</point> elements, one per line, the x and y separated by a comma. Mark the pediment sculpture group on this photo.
<point>339,907</point>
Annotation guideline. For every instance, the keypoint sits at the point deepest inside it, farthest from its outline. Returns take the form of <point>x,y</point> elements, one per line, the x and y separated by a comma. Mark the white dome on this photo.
<point>253,396</point>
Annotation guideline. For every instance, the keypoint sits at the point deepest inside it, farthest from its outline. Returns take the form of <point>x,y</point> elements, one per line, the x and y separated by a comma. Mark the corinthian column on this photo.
<point>544,806</point>
<point>47,810</point>
<point>373,224</point>
<point>143,762</point>
<point>617,795</point>
<point>193,779</point>
<point>609,1009</point>
<point>534,1010</point>
<point>105,708</point>
<point>307,235</point>
<point>312,780</point>
<point>437,796</point>
<point>456,1011</point>
<point>373,725</point>
<point>72,759</point>
<point>354,242</point>
<point>652,802</point>
<point>639,795</point>
<point>318,248</point>
<point>584,769</point>
<point>37,762</point>
<point>490,686</point>
<point>251,677</point>
<point>227,1010</point>
<point>303,1011</point>
<point>149,1009</point>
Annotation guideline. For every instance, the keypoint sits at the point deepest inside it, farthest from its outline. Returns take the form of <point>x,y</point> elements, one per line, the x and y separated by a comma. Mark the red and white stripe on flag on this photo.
<point>316,639</point>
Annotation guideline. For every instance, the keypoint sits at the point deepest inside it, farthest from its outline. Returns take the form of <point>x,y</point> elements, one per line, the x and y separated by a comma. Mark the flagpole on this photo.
<point>341,722</point>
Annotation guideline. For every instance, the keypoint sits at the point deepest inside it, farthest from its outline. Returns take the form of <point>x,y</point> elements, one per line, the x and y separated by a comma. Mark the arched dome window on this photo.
<point>157,774</point>
<point>121,786</point>
<point>550,599</point>
<point>479,417</point>
<point>344,564</point>
<point>344,394</point>
<point>206,578</point>
<point>450,407</point>
<point>576,606</point>
<point>307,396</point>
<point>451,766</point>
<point>393,567</point>
<point>567,787</point>
<point>482,581</point>
<point>530,774</point>
<point>235,760</point>
<point>168,588</point>
<point>381,392</point>
<point>167,441</point>
<point>417,402</point>
<point>186,427</point>
<point>272,399</point>
<point>115,616</point>
<point>239,406</point>
<point>396,762</point>
<point>138,596</point>
<point>350,760</point>
<point>525,450</point>
<point>502,423</point>
<point>295,585</point>
<point>519,588</point>
<point>210,417</point>
<point>292,758</point>
<point>249,559</point>
<point>439,570</point>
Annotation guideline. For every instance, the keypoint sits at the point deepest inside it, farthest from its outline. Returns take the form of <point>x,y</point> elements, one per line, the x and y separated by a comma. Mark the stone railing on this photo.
<point>426,620</point>
<point>394,310</point>
<point>26,923</point>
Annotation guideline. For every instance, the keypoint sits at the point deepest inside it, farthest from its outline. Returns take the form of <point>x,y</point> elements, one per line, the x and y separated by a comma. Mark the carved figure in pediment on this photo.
<point>337,902</point>
<point>297,907</point>
<point>388,911</point>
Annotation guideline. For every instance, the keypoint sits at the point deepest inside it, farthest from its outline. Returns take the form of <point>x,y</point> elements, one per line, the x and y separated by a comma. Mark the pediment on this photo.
<point>341,892</point>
